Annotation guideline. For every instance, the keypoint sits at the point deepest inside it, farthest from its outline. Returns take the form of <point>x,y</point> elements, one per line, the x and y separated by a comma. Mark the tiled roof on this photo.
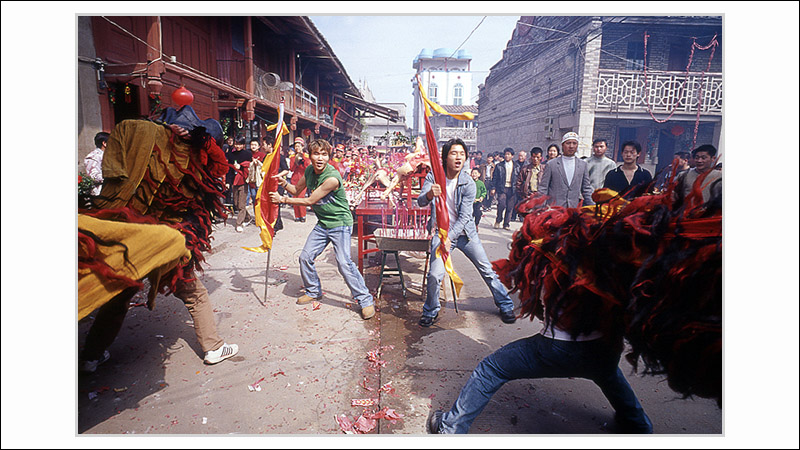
<point>457,109</point>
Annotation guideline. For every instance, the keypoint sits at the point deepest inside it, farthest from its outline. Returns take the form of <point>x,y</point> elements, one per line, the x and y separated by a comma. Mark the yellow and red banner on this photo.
<point>442,216</point>
<point>267,212</point>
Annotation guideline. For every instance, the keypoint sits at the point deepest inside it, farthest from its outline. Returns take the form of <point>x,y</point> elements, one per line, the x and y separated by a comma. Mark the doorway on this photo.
<point>666,150</point>
<point>625,135</point>
<point>126,102</point>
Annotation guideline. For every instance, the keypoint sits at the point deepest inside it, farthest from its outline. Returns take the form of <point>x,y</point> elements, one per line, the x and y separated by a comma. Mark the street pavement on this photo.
<point>301,367</point>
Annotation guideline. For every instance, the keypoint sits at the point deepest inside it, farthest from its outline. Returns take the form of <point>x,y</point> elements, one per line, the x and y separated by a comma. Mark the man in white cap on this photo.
<point>566,179</point>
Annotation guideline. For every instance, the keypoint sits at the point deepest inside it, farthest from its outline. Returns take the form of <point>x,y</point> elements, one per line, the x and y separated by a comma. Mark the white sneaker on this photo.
<point>239,229</point>
<point>221,354</point>
<point>91,366</point>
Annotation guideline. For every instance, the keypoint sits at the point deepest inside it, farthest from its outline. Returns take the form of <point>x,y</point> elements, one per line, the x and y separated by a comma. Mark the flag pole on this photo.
<point>455,297</point>
<point>266,277</point>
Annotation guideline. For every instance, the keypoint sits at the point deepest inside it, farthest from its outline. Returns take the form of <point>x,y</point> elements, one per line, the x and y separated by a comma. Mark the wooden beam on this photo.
<point>272,26</point>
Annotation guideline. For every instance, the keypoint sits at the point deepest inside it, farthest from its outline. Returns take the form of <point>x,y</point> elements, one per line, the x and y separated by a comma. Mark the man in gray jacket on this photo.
<point>460,196</point>
<point>566,179</point>
<point>599,163</point>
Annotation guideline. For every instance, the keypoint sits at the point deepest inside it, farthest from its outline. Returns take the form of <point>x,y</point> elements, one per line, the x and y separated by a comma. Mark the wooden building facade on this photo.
<point>238,68</point>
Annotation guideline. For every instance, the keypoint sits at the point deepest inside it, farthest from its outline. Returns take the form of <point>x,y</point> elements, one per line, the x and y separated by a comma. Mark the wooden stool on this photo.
<point>390,272</point>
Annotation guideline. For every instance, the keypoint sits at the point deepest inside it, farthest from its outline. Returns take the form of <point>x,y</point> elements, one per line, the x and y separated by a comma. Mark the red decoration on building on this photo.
<point>306,132</point>
<point>182,96</point>
<point>677,130</point>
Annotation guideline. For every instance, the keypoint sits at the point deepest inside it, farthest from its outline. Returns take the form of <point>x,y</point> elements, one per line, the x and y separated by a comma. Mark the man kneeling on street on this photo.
<point>460,196</point>
<point>334,225</point>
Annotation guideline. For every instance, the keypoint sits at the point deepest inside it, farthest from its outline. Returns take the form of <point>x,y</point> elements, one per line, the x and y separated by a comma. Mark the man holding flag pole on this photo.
<point>452,216</point>
<point>327,197</point>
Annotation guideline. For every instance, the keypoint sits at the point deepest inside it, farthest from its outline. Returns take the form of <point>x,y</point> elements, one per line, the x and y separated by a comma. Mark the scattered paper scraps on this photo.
<point>362,402</point>
<point>374,358</point>
<point>93,395</point>
<point>367,421</point>
<point>255,387</point>
<point>315,306</point>
<point>364,425</point>
<point>345,424</point>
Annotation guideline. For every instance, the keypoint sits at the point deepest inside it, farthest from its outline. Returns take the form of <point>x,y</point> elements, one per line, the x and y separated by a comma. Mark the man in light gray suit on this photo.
<point>566,179</point>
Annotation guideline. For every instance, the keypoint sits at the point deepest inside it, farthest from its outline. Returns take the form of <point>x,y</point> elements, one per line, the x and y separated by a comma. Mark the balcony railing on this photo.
<point>306,102</point>
<point>465,134</point>
<point>619,91</point>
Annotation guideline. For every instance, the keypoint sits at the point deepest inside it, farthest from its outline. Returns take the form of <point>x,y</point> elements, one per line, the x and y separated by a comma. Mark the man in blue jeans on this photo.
<point>327,198</point>
<point>460,197</point>
<point>553,353</point>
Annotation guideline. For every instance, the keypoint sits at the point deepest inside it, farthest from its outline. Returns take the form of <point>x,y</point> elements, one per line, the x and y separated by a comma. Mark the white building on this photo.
<point>445,75</point>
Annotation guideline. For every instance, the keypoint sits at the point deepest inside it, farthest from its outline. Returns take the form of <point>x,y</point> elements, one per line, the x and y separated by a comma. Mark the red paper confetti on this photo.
<point>315,306</point>
<point>345,424</point>
<point>364,425</point>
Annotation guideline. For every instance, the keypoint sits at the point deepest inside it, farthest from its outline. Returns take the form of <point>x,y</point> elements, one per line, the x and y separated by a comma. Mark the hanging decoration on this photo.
<point>677,130</point>
<point>306,132</point>
<point>127,91</point>
<point>226,122</point>
<point>711,45</point>
<point>182,96</point>
<point>112,96</point>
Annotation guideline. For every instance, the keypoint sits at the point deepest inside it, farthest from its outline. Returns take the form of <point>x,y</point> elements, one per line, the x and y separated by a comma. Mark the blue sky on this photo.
<point>381,49</point>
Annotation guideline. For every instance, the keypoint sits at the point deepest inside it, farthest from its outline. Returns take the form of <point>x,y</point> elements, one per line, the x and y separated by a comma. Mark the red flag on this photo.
<point>442,216</point>
<point>266,211</point>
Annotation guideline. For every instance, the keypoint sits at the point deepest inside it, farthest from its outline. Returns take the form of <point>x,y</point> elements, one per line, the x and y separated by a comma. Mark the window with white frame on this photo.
<point>458,93</point>
<point>434,92</point>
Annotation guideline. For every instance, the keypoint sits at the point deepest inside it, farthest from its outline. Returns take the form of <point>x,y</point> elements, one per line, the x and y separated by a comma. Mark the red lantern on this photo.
<point>182,96</point>
<point>306,132</point>
<point>677,130</point>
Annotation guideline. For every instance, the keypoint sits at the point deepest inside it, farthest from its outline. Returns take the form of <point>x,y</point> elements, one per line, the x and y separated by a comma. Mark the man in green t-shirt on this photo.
<point>326,196</point>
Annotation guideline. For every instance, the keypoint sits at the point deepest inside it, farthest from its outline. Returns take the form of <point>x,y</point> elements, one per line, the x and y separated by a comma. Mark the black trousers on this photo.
<point>506,200</point>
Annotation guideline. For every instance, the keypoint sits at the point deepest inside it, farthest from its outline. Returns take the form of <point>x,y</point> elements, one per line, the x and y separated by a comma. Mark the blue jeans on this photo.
<point>475,252</point>
<point>541,357</point>
<point>252,193</point>
<point>315,244</point>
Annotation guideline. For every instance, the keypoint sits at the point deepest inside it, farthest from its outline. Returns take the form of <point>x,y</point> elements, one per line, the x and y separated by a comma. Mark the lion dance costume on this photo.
<point>646,270</point>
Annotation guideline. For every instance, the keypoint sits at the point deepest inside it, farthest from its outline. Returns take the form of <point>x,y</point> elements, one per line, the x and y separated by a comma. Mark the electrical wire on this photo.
<point>544,28</point>
<point>132,35</point>
<point>470,35</point>
<point>537,43</point>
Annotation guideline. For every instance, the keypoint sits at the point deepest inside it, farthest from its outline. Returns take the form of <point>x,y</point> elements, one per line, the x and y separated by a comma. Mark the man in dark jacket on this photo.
<point>629,179</point>
<point>503,177</point>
